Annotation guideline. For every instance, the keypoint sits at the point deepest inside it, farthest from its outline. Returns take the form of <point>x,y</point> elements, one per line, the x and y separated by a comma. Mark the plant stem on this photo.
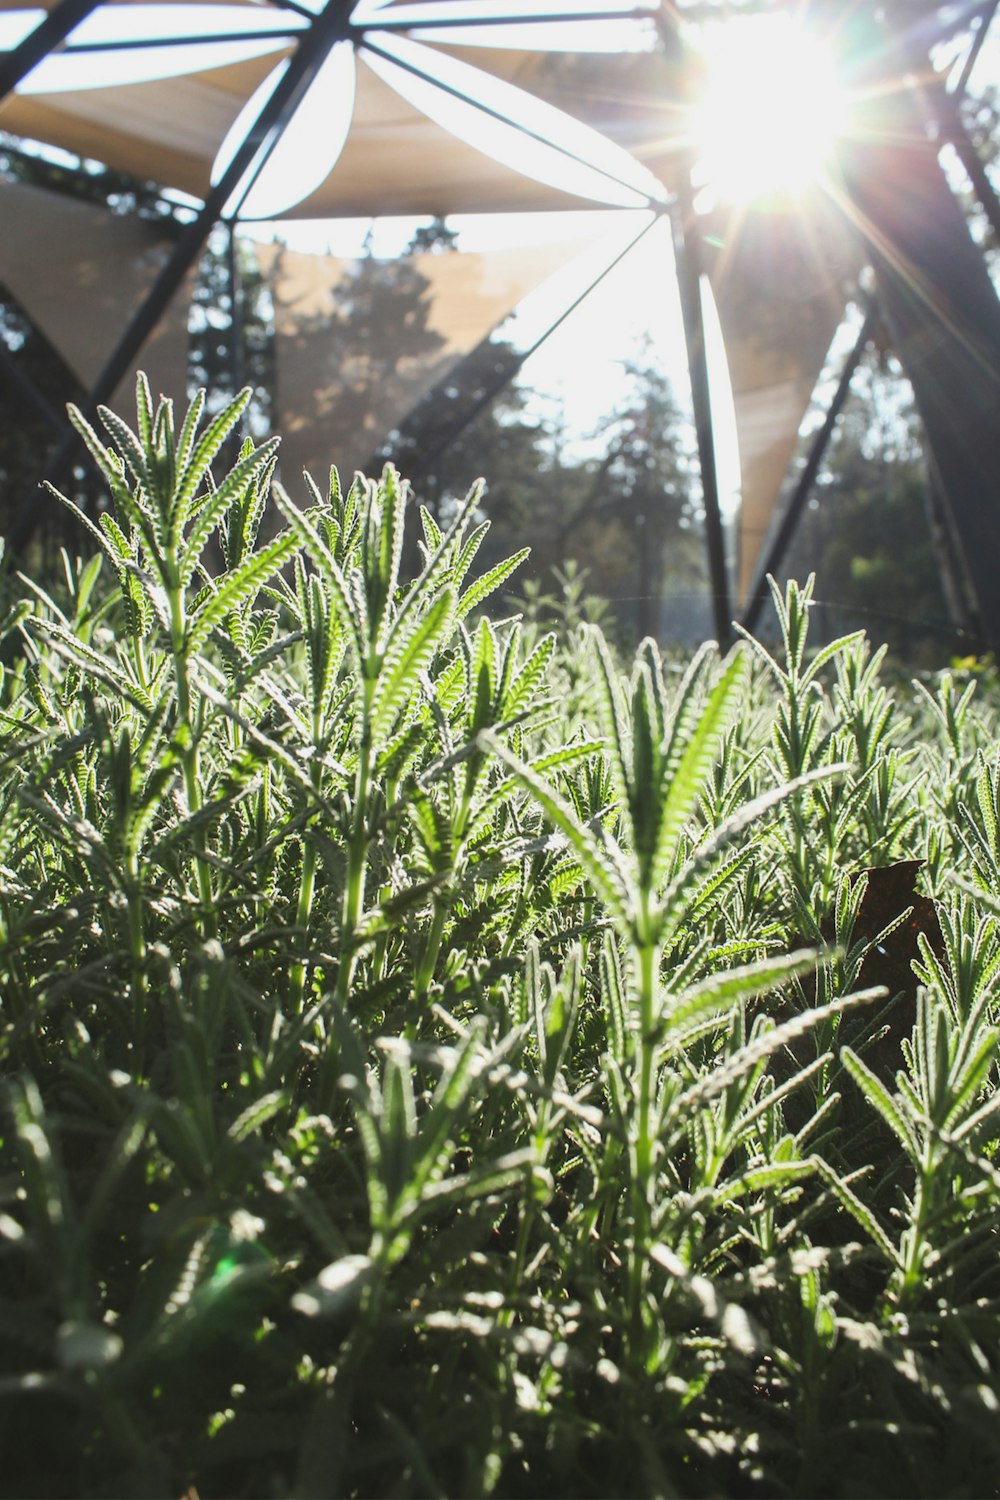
<point>137,949</point>
<point>643,1140</point>
<point>432,947</point>
<point>357,853</point>
<point>303,910</point>
<point>192,785</point>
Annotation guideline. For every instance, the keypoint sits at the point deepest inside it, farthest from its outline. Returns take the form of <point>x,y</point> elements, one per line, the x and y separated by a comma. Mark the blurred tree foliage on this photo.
<point>867,532</point>
<point>231,330</point>
<point>622,508</point>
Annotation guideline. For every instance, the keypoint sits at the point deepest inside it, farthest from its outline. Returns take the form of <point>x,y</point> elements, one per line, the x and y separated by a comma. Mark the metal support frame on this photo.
<point>46,36</point>
<point>953,128</point>
<point>940,306</point>
<point>689,272</point>
<point>23,386</point>
<point>759,593</point>
<point>330,26</point>
<point>147,43</point>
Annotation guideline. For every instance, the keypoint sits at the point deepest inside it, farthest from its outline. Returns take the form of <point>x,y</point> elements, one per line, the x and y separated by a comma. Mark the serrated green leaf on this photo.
<point>240,478</point>
<point>407,655</point>
<point>881,1100</point>
<point>720,992</point>
<point>488,583</point>
<point>608,879</point>
<point>236,587</point>
<point>859,1211</point>
<point>192,475</point>
<point>687,762</point>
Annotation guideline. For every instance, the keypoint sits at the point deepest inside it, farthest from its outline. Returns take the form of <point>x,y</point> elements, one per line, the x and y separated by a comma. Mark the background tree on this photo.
<point>231,330</point>
<point>636,521</point>
<point>628,520</point>
<point>867,532</point>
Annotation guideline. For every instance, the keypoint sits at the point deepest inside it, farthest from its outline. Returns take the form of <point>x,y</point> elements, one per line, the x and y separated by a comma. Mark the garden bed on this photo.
<point>441,1059</point>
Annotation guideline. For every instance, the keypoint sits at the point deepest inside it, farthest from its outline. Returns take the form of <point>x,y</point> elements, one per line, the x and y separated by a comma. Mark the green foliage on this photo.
<point>439,1060</point>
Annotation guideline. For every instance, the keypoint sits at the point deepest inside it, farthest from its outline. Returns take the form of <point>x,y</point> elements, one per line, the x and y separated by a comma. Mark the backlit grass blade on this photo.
<point>687,765</point>
<point>607,878</point>
<point>881,1100</point>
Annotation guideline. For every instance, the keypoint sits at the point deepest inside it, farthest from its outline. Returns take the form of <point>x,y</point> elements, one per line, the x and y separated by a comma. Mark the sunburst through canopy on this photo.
<point>264,109</point>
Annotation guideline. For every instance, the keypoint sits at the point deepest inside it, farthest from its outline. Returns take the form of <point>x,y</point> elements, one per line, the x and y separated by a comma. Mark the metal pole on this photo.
<point>47,35</point>
<point>688,259</point>
<point>985,22</point>
<point>759,592</point>
<point>236,362</point>
<point>963,617</point>
<point>329,27</point>
<point>952,126</point>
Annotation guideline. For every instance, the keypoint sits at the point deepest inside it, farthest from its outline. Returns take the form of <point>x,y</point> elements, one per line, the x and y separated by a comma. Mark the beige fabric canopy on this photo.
<point>396,159</point>
<point>341,386</point>
<point>779,283</point>
<point>77,269</point>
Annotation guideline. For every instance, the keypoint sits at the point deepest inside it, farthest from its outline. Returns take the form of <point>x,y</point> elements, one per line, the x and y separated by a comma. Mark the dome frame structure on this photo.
<point>932,285</point>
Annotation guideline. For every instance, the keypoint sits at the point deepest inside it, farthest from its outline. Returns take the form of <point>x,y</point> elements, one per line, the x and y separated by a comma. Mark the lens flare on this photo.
<point>770,111</point>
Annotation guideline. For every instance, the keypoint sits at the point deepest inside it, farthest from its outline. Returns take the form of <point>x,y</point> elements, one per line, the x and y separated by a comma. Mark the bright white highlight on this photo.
<point>309,146</point>
<point>771,110</point>
<point>604,172</point>
<point>69,70</point>
<point>16,25</point>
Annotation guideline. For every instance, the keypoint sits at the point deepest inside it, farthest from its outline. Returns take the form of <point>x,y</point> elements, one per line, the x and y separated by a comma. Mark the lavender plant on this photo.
<point>421,1080</point>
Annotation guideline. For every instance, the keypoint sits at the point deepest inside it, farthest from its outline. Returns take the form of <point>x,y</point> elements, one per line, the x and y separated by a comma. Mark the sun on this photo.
<point>770,110</point>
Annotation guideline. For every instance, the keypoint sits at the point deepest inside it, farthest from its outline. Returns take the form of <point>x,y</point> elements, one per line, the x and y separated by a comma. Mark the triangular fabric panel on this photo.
<point>780,281</point>
<point>397,161</point>
<point>638,100</point>
<point>167,131</point>
<point>80,271</point>
<point>359,343</point>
